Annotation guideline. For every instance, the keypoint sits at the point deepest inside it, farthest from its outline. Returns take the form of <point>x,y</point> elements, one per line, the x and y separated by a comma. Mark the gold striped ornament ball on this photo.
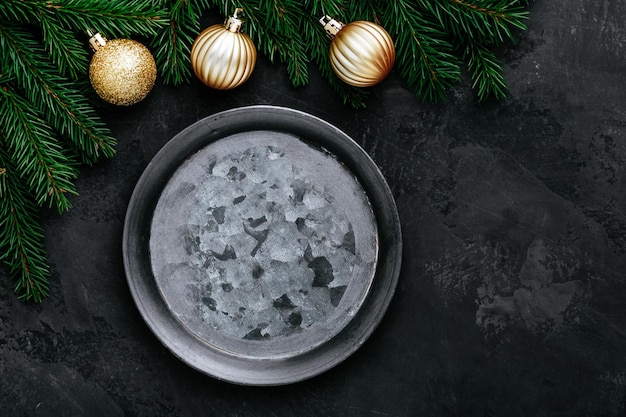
<point>222,56</point>
<point>361,53</point>
<point>121,71</point>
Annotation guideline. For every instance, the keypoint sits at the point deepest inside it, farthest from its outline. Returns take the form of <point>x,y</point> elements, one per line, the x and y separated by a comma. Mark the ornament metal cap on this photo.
<point>234,23</point>
<point>96,41</point>
<point>331,26</point>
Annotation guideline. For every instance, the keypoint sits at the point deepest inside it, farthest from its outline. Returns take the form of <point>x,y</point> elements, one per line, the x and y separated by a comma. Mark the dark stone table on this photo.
<point>511,300</point>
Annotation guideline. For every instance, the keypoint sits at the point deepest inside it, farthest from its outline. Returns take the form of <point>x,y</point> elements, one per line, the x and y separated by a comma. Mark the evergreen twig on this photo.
<point>66,109</point>
<point>21,235</point>
<point>172,46</point>
<point>41,159</point>
<point>477,26</point>
<point>424,54</point>
<point>485,70</point>
<point>47,125</point>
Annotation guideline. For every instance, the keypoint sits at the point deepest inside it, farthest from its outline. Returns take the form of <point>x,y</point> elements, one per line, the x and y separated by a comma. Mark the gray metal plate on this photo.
<point>262,245</point>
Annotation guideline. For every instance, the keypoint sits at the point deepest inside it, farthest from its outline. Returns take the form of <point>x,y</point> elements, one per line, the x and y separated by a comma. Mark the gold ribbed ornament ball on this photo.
<point>222,56</point>
<point>361,53</point>
<point>122,71</point>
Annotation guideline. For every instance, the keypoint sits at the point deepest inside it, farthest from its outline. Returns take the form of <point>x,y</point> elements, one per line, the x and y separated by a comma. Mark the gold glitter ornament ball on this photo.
<point>361,53</point>
<point>122,71</point>
<point>222,56</point>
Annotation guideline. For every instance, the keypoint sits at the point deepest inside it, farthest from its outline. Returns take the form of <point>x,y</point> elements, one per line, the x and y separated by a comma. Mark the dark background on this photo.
<point>511,300</point>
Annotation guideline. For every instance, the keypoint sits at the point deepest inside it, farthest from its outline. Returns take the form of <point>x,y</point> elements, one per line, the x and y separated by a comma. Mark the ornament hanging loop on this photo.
<point>96,41</point>
<point>331,26</point>
<point>234,23</point>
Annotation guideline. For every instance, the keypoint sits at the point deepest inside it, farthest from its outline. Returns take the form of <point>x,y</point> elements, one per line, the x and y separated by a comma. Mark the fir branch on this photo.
<point>37,155</point>
<point>486,71</point>
<point>21,236</point>
<point>44,68</point>
<point>363,10</point>
<point>486,20</point>
<point>53,96</point>
<point>172,46</point>
<point>282,22</point>
<point>333,8</point>
<point>60,20</point>
<point>59,41</point>
<point>70,57</point>
<point>119,18</point>
<point>477,26</point>
<point>423,54</point>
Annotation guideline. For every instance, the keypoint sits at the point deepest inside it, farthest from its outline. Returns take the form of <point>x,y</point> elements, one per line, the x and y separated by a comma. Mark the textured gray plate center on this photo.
<point>263,245</point>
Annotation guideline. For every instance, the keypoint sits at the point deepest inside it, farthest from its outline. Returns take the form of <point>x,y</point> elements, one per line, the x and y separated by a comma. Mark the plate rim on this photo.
<point>209,359</point>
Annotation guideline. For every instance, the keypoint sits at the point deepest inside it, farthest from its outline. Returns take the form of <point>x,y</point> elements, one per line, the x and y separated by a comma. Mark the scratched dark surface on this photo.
<point>512,297</point>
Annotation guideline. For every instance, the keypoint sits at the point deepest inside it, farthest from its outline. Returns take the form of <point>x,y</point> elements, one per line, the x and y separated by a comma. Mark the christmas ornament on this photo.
<point>361,53</point>
<point>122,71</point>
<point>222,56</point>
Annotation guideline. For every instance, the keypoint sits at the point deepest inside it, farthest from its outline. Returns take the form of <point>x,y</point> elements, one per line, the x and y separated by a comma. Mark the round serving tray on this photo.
<point>262,245</point>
